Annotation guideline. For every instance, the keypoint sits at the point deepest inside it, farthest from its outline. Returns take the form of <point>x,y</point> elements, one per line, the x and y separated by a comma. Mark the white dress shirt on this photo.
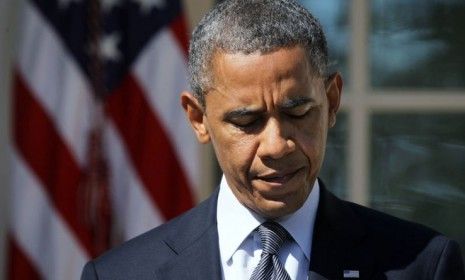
<point>240,246</point>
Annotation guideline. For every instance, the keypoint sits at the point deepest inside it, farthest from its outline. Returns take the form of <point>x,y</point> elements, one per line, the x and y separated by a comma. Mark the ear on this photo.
<point>196,116</point>
<point>333,94</point>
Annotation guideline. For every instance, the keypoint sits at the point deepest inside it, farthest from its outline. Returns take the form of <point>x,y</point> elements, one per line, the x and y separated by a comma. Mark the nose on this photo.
<point>275,140</point>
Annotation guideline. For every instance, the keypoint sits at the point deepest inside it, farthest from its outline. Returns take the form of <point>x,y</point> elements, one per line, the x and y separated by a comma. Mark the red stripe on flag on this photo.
<point>48,157</point>
<point>19,265</point>
<point>178,27</point>
<point>150,149</point>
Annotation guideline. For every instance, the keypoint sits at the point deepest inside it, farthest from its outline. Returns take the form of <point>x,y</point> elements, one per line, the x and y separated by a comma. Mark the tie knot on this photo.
<point>273,236</point>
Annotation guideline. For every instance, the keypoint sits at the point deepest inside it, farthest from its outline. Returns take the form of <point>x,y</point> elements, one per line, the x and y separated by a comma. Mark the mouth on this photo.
<point>278,178</point>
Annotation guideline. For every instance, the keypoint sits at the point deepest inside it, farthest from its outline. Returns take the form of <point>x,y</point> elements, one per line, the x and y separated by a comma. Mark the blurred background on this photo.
<point>95,149</point>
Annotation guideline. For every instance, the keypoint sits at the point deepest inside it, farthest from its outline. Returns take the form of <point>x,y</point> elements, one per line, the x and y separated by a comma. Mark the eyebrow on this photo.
<point>296,102</point>
<point>241,112</point>
<point>286,105</point>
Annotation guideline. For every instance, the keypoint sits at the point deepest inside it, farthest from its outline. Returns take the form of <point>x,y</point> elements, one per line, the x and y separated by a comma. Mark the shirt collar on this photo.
<point>235,221</point>
<point>305,215</point>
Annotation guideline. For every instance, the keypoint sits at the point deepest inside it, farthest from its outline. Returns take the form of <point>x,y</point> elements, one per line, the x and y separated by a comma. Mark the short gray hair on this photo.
<point>247,26</point>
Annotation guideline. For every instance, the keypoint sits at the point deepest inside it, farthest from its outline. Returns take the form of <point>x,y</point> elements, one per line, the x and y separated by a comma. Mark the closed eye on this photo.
<point>299,112</point>
<point>243,118</point>
<point>244,121</point>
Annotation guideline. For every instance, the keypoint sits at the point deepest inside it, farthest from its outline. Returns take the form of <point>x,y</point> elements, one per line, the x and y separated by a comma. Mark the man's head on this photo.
<point>263,98</point>
<point>253,26</point>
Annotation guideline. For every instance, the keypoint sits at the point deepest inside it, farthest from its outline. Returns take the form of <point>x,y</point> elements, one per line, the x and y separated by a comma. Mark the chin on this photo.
<point>276,209</point>
<point>282,205</point>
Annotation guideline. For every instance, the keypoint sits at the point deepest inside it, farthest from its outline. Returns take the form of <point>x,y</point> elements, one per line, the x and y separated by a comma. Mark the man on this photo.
<point>262,96</point>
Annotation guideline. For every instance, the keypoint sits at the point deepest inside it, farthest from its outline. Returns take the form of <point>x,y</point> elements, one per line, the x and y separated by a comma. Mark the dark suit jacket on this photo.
<point>346,237</point>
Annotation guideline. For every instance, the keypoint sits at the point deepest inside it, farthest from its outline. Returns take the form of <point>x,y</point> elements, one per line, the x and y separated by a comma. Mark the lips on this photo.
<point>278,177</point>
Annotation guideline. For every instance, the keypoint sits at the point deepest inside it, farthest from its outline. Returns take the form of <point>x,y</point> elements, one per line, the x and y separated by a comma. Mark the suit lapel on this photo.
<point>201,260</point>
<point>195,245</point>
<point>337,238</point>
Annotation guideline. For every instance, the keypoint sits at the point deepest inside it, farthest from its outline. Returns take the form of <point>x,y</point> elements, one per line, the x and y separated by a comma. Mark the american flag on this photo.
<point>101,148</point>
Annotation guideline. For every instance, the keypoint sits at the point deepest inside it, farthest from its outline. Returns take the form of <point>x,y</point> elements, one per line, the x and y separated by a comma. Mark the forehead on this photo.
<point>279,75</point>
<point>277,64</point>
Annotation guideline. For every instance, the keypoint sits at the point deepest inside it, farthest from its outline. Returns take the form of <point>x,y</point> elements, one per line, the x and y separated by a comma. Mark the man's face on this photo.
<point>267,116</point>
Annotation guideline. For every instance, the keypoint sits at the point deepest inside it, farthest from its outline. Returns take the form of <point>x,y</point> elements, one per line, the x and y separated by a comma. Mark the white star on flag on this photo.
<point>63,4</point>
<point>109,47</point>
<point>147,5</point>
<point>107,5</point>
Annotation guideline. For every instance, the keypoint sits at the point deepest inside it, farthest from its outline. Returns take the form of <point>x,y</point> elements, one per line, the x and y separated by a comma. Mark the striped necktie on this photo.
<point>273,236</point>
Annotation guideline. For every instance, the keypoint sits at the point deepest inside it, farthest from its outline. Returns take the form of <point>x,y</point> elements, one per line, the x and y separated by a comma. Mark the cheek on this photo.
<point>311,139</point>
<point>310,146</point>
<point>243,153</point>
<point>235,152</point>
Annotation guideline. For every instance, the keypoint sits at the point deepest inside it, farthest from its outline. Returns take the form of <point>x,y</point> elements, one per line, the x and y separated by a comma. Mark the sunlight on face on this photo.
<point>267,116</point>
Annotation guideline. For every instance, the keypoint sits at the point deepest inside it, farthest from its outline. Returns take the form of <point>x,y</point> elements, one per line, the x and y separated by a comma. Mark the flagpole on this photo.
<point>97,212</point>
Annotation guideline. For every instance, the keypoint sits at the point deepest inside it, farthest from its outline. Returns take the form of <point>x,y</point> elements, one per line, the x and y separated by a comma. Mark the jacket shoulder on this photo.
<point>390,227</point>
<point>139,256</point>
<point>408,250</point>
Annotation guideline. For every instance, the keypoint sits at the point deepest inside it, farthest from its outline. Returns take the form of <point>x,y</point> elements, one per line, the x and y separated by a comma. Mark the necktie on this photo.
<point>273,236</point>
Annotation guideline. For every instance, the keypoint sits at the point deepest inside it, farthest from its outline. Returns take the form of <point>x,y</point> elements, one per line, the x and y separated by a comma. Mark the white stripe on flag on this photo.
<point>56,81</point>
<point>135,212</point>
<point>161,72</point>
<point>40,230</point>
